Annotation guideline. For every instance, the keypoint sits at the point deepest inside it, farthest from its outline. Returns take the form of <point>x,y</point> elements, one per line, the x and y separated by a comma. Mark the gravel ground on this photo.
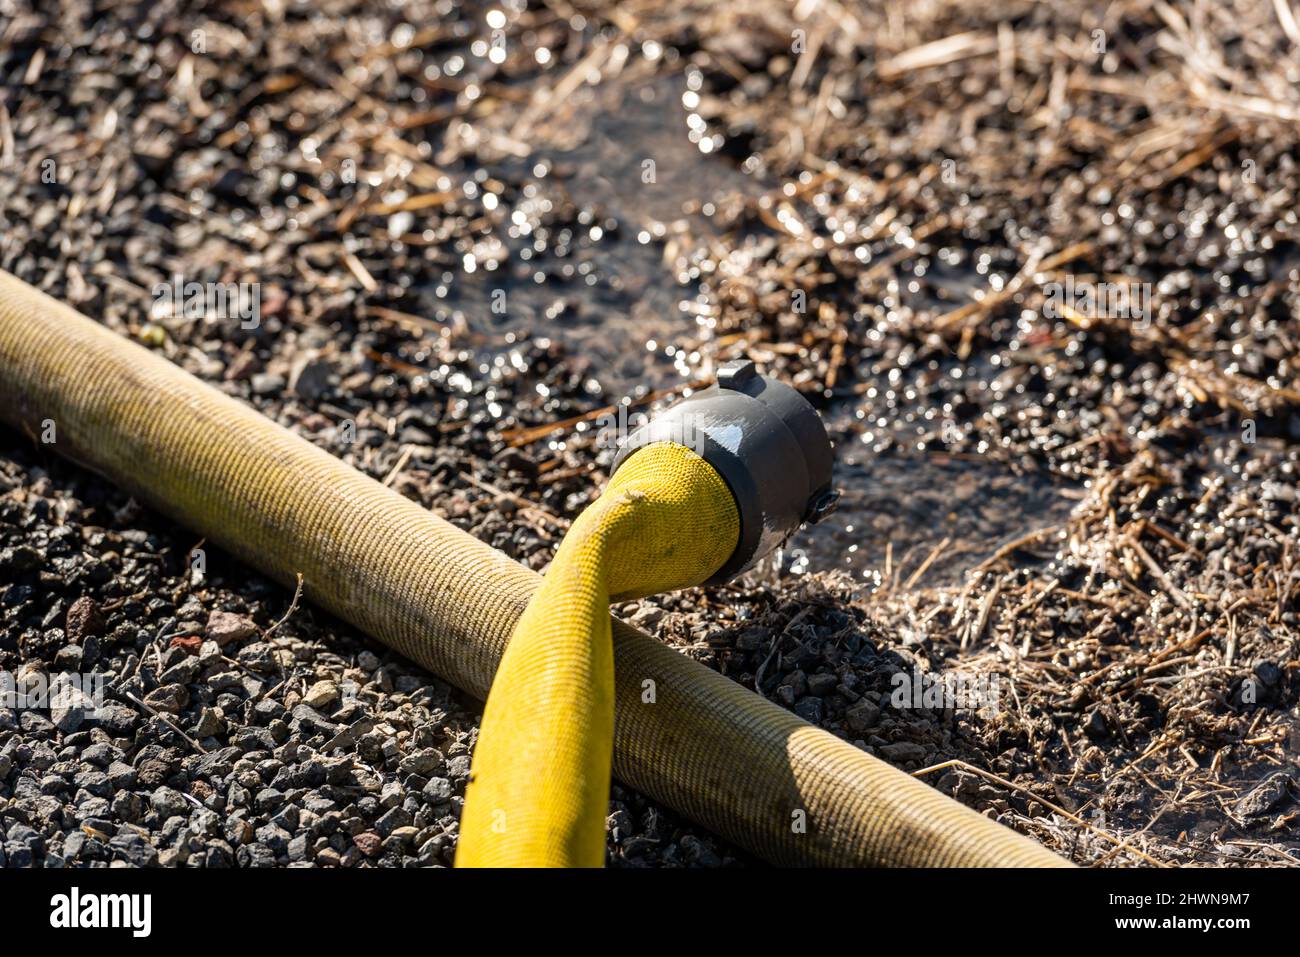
<point>1100,513</point>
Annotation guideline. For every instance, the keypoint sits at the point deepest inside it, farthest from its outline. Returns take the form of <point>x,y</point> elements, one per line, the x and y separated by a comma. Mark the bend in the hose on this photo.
<point>540,780</point>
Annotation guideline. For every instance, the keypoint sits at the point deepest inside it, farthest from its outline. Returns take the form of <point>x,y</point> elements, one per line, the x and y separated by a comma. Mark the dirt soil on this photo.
<point>474,226</point>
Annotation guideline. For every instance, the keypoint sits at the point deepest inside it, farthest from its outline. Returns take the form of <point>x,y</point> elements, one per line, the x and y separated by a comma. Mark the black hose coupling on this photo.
<point>768,444</point>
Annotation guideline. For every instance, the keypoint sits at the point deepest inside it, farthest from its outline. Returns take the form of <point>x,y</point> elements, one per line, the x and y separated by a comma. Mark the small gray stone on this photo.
<point>421,762</point>
<point>310,376</point>
<point>274,837</point>
<point>121,775</point>
<point>901,752</point>
<point>810,709</point>
<point>171,698</point>
<point>183,672</point>
<point>132,847</point>
<point>259,656</point>
<point>267,799</point>
<point>310,720</point>
<point>863,715</point>
<point>17,856</point>
<point>116,718</point>
<point>298,848</point>
<point>438,790</point>
<point>127,806</point>
<point>397,817</point>
<point>822,684</point>
<point>209,724</point>
<point>168,802</point>
<point>100,755</point>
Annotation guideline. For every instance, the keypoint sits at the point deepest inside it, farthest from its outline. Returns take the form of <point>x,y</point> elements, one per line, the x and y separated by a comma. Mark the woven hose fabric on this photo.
<point>539,788</point>
<point>708,748</point>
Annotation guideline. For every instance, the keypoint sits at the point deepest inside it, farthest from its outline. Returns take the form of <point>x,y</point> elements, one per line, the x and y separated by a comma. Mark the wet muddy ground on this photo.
<point>475,226</point>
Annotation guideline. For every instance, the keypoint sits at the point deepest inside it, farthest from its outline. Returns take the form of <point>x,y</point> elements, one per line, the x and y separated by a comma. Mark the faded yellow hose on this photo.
<point>716,753</point>
<point>539,788</point>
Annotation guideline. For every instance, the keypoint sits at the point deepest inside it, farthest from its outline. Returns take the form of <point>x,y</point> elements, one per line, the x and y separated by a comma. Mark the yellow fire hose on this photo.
<point>702,745</point>
<point>539,788</point>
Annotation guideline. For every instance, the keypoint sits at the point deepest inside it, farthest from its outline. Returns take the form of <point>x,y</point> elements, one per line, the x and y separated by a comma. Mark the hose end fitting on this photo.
<point>769,445</point>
